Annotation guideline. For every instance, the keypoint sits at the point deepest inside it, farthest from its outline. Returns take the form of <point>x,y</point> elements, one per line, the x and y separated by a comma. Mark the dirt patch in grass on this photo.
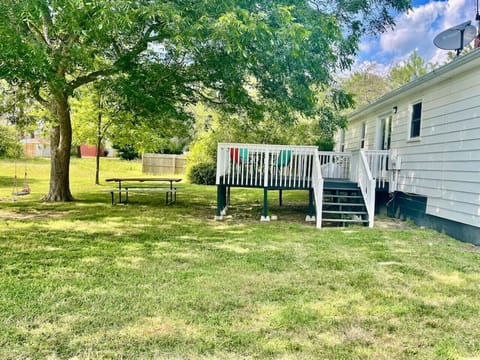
<point>32,215</point>
<point>390,223</point>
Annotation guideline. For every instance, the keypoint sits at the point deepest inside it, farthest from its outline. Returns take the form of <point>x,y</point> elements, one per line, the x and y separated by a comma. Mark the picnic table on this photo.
<point>146,185</point>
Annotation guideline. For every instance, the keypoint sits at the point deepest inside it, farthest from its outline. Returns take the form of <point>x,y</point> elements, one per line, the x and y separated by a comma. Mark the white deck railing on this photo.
<point>301,167</point>
<point>335,165</point>
<point>366,182</point>
<point>260,165</point>
<point>317,184</point>
<point>378,164</point>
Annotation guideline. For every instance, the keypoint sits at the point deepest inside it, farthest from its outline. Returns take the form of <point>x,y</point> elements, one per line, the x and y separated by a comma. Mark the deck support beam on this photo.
<point>265,216</point>
<point>311,208</point>
<point>221,202</point>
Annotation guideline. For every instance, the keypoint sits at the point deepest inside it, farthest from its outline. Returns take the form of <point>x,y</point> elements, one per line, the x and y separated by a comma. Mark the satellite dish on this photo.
<point>456,37</point>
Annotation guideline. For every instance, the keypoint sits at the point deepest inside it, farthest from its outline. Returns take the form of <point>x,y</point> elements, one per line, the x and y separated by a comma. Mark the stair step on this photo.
<point>340,185</point>
<point>344,212</point>
<point>346,220</point>
<point>343,204</point>
<point>343,196</point>
<point>341,189</point>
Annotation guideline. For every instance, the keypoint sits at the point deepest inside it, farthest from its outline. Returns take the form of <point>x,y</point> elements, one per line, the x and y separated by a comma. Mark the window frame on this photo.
<point>415,124</point>
<point>363,134</point>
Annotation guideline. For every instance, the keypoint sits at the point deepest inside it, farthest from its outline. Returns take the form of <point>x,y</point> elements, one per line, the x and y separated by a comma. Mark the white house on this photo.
<point>431,127</point>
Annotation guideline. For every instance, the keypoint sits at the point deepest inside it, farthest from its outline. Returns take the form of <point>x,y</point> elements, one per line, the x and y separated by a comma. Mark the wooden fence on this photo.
<point>163,164</point>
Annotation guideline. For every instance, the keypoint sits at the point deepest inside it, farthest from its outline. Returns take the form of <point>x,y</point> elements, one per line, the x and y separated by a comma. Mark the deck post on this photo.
<point>311,208</point>
<point>265,216</point>
<point>221,202</point>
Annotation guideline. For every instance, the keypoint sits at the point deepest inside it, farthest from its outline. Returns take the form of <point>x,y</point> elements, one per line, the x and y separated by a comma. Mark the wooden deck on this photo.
<point>292,167</point>
<point>273,183</point>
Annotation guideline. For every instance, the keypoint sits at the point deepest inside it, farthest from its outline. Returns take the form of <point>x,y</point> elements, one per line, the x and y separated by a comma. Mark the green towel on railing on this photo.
<point>284,158</point>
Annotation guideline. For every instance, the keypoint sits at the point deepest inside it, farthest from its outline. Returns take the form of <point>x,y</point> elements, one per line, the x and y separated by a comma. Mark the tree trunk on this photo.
<point>60,143</point>
<point>99,143</point>
<point>97,161</point>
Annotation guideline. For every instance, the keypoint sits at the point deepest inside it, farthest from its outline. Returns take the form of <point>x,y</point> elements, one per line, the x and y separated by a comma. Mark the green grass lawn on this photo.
<point>88,280</point>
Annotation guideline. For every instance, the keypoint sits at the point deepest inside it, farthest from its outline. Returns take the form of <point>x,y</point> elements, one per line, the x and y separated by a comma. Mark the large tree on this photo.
<point>240,55</point>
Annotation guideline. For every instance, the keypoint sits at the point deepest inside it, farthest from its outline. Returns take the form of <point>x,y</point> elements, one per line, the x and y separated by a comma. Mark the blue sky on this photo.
<point>415,30</point>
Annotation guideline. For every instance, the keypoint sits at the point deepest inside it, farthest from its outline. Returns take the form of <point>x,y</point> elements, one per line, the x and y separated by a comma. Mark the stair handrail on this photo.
<point>367,186</point>
<point>317,184</point>
<point>378,164</point>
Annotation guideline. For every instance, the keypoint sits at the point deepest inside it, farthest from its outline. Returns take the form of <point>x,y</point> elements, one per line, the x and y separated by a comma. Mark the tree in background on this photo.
<point>16,120</point>
<point>92,117</point>
<point>213,127</point>
<point>366,85</point>
<point>10,146</point>
<point>414,67</point>
<point>217,51</point>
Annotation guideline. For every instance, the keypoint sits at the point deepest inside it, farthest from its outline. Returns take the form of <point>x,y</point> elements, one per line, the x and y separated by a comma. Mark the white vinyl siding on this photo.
<point>445,165</point>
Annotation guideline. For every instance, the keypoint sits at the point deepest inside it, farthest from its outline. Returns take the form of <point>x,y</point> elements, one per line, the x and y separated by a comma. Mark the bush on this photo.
<point>203,174</point>
<point>126,152</point>
<point>10,146</point>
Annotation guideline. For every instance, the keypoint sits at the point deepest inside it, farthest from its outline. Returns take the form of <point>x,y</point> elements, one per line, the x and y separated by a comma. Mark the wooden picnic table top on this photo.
<point>143,179</point>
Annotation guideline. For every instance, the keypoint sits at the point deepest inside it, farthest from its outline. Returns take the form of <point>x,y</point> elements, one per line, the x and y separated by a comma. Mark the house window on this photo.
<point>416,120</point>
<point>363,131</point>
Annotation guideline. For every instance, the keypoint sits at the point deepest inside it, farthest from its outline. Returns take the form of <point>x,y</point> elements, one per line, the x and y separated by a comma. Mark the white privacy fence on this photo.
<point>262,165</point>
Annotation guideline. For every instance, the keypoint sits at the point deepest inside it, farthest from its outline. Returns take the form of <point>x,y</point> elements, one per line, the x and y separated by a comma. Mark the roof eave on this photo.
<point>433,76</point>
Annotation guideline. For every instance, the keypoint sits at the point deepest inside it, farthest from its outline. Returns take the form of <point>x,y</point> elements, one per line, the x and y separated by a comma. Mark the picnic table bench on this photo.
<point>144,185</point>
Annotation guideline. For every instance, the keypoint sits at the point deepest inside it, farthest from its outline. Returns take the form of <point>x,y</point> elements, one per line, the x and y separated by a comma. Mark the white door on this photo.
<point>384,133</point>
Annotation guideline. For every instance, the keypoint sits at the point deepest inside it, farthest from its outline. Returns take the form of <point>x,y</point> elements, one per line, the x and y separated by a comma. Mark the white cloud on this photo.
<point>417,29</point>
<point>414,30</point>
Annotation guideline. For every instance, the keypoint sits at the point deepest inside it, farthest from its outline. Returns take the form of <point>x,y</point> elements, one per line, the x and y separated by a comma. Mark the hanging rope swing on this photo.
<point>25,190</point>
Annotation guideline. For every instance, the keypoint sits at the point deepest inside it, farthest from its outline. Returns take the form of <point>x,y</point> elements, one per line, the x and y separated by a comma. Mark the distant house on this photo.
<point>431,130</point>
<point>90,150</point>
<point>36,147</point>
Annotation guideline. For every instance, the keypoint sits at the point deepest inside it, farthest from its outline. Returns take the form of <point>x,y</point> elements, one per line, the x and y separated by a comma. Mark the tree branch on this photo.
<point>124,59</point>
<point>35,90</point>
<point>82,80</point>
<point>35,30</point>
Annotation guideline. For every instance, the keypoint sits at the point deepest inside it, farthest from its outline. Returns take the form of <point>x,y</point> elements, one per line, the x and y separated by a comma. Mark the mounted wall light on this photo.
<point>395,109</point>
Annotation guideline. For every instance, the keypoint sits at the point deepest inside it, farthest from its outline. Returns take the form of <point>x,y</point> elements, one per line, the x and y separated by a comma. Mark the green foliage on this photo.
<point>326,144</point>
<point>366,85</point>
<point>10,146</point>
<point>243,58</point>
<point>411,69</point>
<point>126,152</point>
<point>202,174</point>
<point>90,118</point>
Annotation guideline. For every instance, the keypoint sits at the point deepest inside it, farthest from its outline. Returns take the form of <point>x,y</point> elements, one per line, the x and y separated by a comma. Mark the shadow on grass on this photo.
<point>133,284</point>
